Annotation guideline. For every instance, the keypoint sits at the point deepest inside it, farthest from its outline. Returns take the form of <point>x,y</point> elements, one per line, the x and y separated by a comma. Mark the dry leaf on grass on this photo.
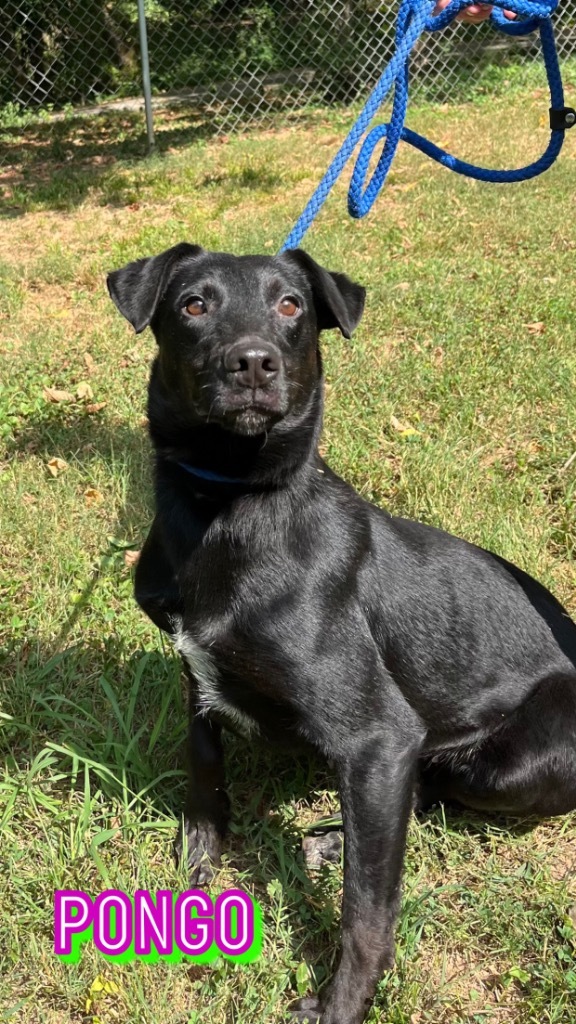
<point>130,558</point>
<point>404,429</point>
<point>99,989</point>
<point>56,466</point>
<point>89,361</point>
<point>96,407</point>
<point>405,187</point>
<point>56,395</point>
<point>84,390</point>
<point>536,328</point>
<point>92,496</point>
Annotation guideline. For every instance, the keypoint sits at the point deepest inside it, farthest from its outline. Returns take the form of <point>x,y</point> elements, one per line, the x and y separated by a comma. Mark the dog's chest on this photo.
<point>210,696</point>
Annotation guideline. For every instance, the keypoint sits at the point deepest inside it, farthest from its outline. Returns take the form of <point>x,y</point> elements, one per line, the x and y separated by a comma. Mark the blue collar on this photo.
<point>206,474</point>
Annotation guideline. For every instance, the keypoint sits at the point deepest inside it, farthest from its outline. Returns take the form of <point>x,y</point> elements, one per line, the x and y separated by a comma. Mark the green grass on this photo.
<point>469,339</point>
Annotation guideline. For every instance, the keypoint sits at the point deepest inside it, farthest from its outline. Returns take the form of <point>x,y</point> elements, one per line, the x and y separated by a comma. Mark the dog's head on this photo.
<point>237,335</point>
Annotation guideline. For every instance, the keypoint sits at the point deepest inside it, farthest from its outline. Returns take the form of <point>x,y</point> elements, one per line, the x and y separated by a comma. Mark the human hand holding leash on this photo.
<point>474,14</point>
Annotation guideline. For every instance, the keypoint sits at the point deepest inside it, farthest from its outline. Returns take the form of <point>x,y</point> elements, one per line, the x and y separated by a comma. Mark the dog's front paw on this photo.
<point>307,1009</point>
<point>199,845</point>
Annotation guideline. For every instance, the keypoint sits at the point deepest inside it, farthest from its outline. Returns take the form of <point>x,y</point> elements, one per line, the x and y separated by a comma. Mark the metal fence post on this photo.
<point>146,76</point>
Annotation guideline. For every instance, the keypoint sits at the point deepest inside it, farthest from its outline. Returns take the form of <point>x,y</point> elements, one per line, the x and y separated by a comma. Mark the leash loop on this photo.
<point>415,17</point>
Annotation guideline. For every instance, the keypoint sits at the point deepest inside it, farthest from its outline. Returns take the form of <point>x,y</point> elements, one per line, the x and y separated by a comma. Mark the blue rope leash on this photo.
<point>415,17</point>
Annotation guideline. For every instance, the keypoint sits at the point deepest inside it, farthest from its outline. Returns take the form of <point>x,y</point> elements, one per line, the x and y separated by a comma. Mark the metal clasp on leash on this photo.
<point>563,118</point>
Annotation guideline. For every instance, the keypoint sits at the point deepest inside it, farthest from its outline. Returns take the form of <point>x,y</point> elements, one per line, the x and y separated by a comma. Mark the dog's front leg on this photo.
<point>207,806</point>
<point>376,786</point>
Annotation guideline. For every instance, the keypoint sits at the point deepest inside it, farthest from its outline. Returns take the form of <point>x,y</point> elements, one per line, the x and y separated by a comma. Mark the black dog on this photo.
<point>424,667</point>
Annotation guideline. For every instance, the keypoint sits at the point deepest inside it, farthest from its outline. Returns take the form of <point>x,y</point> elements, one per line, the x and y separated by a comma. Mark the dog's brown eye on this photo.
<point>196,306</point>
<point>288,306</point>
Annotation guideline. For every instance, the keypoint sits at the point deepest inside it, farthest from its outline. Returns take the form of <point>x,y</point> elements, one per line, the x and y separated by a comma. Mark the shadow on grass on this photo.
<point>57,163</point>
<point>482,825</point>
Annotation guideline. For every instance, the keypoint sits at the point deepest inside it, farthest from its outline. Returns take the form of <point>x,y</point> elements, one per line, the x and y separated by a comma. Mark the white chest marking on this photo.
<point>202,667</point>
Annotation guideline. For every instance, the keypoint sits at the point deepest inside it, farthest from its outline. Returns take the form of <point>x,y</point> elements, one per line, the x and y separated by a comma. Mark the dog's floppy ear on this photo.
<point>339,301</point>
<point>137,288</point>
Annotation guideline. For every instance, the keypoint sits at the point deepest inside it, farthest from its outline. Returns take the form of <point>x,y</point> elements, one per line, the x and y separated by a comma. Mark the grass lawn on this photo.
<point>453,404</point>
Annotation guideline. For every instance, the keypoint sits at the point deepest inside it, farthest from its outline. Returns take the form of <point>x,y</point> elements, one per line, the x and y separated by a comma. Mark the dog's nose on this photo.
<point>253,363</point>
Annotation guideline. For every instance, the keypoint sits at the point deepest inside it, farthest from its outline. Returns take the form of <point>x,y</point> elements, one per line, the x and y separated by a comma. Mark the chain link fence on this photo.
<point>236,62</point>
